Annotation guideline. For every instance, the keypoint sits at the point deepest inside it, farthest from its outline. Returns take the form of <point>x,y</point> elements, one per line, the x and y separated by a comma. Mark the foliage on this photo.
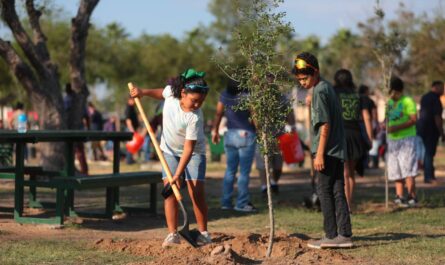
<point>261,73</point>
<point>387,44</point>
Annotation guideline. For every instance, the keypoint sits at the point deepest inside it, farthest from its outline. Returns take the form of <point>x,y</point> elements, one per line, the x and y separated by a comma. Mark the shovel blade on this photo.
<point>189,236</point>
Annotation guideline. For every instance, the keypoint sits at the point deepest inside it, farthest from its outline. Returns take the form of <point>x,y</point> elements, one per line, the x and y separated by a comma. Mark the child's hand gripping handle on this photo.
<point>156,145</point>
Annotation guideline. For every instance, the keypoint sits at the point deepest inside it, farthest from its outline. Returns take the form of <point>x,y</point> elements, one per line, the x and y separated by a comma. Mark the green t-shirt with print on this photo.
<point>325,108</point>
<point>399,113</point>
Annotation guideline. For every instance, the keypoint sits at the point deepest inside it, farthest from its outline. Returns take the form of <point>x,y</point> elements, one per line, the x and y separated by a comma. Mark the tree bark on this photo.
<point>79,34</point>
<point>40,77</point>
<point>269,198</point>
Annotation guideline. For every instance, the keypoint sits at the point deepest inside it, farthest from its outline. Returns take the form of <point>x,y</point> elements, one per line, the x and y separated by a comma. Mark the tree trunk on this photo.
<point>269,198</point>
<point>40,77</point>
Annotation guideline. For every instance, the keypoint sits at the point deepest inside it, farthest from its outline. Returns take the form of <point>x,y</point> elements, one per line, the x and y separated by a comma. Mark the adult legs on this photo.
<point>246,155</point>
<point>430,143</point>
<point>232,157</point>
<point>80,155</point>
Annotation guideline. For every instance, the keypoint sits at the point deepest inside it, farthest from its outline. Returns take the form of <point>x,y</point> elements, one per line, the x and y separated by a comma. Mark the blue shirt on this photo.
<point>236,119</point>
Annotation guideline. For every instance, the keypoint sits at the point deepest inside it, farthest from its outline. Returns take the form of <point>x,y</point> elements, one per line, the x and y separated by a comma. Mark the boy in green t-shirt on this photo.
<point>328,148</point>
<point>402,161</point>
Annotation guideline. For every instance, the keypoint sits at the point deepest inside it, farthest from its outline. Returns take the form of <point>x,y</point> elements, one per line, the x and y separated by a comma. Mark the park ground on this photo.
<point>381,236</point>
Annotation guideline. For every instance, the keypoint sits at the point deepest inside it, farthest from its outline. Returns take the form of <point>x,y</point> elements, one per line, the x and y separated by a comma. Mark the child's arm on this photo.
<point>189,145</point>
<point>150,92</point>
<point>319,157</point>
<point>412,121</point>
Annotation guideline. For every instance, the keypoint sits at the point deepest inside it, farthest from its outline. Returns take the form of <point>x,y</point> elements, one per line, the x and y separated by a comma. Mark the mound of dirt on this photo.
<point>228,249</point>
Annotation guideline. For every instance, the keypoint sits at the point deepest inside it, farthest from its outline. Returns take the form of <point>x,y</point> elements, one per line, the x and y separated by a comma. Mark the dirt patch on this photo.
<point>228,249</point>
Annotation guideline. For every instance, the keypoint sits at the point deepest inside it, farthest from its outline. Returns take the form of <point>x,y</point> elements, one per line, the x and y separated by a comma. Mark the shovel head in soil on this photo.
<point>189,236</point>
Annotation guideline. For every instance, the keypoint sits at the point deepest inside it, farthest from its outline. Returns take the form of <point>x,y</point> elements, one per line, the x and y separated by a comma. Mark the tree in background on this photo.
<point>256,39</point>
<point>39,75</point>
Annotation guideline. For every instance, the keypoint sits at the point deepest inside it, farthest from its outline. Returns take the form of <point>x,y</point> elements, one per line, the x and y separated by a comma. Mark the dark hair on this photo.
<point>233,87</point>
<point>396,84</point>
<point>68,88</point>
<point>178,83</point>
<point>437,83</point>
<point>343,80</point>
<point>363,89</point>
<point>312,62</point>
<point>19,105</point>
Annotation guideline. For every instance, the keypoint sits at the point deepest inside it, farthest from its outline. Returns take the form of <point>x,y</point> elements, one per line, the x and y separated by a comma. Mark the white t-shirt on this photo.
<point>178,125</point>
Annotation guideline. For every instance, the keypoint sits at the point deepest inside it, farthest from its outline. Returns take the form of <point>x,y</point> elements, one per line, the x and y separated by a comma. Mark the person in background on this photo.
<point>275,160</point>
<point>79,148</point>
<point>372,110</point>
<point>96,124</point>
<point>402,159</point>
<point>110,126</point>
<point>430,127</point>
<point>353,113</point>
<point>132,123</point>
<point>18,109</point>
<point>5,150</point>
<point>239,147</point>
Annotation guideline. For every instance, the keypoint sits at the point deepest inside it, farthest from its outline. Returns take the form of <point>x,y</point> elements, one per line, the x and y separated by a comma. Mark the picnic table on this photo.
<point>66,180</point>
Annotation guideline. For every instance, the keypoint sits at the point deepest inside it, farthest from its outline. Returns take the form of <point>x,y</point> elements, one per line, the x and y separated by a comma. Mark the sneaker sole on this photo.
<point>245,211</point>
<point>169,245</point>
<point>343,245</point>
<point>313,246</point>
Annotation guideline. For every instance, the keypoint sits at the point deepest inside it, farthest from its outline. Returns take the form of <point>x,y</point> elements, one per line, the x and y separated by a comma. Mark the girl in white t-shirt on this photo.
<point>183,145</point>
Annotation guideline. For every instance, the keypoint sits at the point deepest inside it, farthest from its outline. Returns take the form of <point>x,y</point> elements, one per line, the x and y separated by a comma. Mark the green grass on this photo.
<point>67,252</point>
<point>408,236</point>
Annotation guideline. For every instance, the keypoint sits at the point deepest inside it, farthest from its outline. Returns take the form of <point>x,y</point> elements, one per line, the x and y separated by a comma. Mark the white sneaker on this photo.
<point>248,208</point>
<point>171,240</point>
<point>204,238</point>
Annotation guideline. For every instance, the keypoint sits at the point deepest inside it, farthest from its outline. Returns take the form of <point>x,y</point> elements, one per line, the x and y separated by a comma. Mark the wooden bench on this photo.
<point>111,182</point>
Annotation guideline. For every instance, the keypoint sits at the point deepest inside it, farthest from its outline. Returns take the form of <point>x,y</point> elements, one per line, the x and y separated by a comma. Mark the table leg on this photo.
<point>19,179</point>
<point>112,203</point>
<point>70,170</point>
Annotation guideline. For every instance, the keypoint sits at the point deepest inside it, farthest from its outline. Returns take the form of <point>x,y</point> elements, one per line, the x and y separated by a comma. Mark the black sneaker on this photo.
<point>274,188</point>
<point>400,202</point>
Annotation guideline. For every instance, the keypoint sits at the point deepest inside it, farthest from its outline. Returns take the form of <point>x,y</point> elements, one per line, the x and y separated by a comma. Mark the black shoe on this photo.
<point>401,202</point>
<point>274,188</point>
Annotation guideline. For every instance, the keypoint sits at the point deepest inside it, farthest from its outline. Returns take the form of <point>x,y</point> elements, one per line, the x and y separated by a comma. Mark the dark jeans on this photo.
<point>331,190</point>
<point>430,142</point>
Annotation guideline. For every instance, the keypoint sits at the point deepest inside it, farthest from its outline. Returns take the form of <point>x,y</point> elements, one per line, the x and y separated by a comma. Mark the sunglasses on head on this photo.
<point>302,64</point>
<point>197,88</point>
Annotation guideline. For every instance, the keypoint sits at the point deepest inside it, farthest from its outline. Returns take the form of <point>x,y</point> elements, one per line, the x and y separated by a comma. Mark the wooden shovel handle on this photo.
<point>156,145</point>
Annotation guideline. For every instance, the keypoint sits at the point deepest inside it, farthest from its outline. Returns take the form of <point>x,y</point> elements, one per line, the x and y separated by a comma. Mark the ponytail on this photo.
<point>176,85</point>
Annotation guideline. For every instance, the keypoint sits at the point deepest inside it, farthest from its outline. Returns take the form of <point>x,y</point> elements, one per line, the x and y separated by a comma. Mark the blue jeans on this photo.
<point>239,146</point>
<point>146,148</point>
<point>195,169</point>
